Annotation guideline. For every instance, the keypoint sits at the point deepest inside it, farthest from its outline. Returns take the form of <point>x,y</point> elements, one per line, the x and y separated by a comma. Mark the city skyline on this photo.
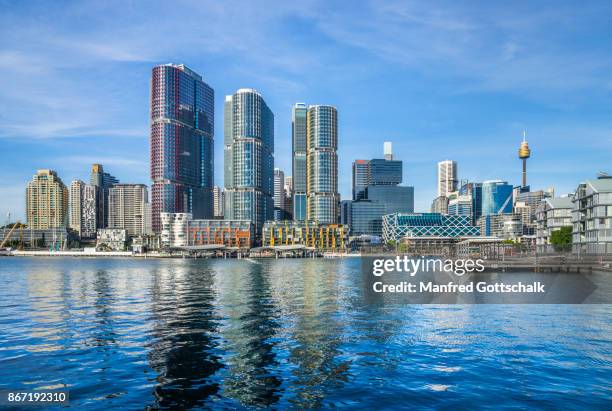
<point>564,110</point>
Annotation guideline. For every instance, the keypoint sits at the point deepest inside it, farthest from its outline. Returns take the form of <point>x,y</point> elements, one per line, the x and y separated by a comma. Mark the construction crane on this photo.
<point>6,237</point>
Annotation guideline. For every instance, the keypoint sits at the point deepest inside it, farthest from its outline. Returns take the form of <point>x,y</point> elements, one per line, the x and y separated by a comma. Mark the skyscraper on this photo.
<point>102,181</point>
<point>288,197</point>
<point>182,130</point>
<point>298,160</point>
<point>322,165</point>
<point>279,194</point>
<point>218,196</point>
<point>46,201</point>
<point>83,202</point>
<point>249,153</point>
<point>447,177</point>
<point>128,208</point>
<point>496,197</point>
<point>361,177</point>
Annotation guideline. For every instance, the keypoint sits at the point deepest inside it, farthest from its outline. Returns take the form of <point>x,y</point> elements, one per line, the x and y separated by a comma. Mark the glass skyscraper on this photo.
<point>322,164</point>
<point>361,177</point>
<point>496,197</point>
<point>182,130</point>
<point>298,162</point>
<point>249,158</point>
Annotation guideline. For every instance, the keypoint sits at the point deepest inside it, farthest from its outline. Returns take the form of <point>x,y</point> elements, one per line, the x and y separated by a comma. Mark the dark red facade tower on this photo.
<point>182,146</point>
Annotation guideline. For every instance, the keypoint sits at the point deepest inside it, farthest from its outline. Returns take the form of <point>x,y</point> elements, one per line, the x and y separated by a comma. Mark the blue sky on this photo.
<point>457,80</point>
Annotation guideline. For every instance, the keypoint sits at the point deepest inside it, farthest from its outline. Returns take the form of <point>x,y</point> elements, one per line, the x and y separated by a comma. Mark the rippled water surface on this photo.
<point>226,334</point>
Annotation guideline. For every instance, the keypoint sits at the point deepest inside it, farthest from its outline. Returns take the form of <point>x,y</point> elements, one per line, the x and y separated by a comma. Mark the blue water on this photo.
<point>227,334</point>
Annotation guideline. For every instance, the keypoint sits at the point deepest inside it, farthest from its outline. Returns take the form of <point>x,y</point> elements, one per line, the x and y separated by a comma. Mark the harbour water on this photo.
<point>296,333</point>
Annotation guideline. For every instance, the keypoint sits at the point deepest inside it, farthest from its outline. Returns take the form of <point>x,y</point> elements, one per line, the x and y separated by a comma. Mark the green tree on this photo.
<point>561,239</point>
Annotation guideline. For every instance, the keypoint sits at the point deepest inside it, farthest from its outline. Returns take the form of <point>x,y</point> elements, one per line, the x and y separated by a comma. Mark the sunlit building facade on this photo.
<point>298,160</point>
<point>182,130</point>
<point>46,201</point>
<point>322,165</point>
<point>249,156</point>
<point>496,197</point>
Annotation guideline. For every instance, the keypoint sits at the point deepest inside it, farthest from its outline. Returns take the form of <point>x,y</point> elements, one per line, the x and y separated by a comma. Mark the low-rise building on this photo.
<point>111,239</point>
<point>399,226</point>
<point>325,237</point>
<point>180,230</point>
<point>592,217</point>
<point>552,214</point>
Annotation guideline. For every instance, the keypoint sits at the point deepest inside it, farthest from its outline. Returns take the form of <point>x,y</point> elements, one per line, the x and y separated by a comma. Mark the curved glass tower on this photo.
<point>182,128</point>
<point>322,164</point>
<point>249,158</point>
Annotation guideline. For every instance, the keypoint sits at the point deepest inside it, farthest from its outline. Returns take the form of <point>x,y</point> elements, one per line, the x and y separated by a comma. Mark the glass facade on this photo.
<point>396,199</point>
<point>249,154</point>
<point>366,217</point>
<point>182,130</point>
<point>361,177</point>
<point>496,197</point>
<point>322,165</point>
<point>397,226</point>
<point>474,190</point>
<point>385,172</point>
<point>298,164</point>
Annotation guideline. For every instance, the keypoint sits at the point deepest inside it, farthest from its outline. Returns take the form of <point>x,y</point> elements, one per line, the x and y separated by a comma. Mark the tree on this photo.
<point>561,239</point>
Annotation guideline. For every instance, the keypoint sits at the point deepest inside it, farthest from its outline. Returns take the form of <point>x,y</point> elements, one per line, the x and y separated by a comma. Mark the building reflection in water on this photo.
<point>250,333</point>
<point>184,350</point>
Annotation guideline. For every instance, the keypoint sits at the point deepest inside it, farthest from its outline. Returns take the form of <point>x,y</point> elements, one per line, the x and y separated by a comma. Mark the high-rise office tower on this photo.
<point>298,160</point>
<point>218,195</point>
<point>496,197</point>
<point>127,208</point>
<point>447,177</point>
<point>279,194</point>
<point>361,178</point>
<point>249,154</point>
<point>102,181</point>
<point>83,212</point>
<point>46,201</point>
<point>322,165</point>
<point>182,130</point>
<point>474,191</point>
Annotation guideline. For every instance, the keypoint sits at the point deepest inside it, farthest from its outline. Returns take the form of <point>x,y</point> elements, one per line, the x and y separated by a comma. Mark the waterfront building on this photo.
<point>526,203</point>
<point>299,135</point>
<point>174,229</point>
<point>366,217</point>
<point>249,150</point>
<point>552,214</point>
<point>322,165</point>
<point>82,205</point>
<point>102,181</point>
<point>345,212</point>
<point>111,239</point>
<point>496,197</point>
<point>507,226</point>
<point>218,195</point>
<point>324,237</point>
<point>182,131</point>
<point>440,205</point>
<point>376,184</point>
<point>180,230</point>
<point>524,212</point>
<point>474,191</point>
<point>28,237</point>
<point>592,217</point>
<point>399,226</point>
<point>279,195</point>
<point>447,177</point>
<point>127,208</point>
<point>46,201</point>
